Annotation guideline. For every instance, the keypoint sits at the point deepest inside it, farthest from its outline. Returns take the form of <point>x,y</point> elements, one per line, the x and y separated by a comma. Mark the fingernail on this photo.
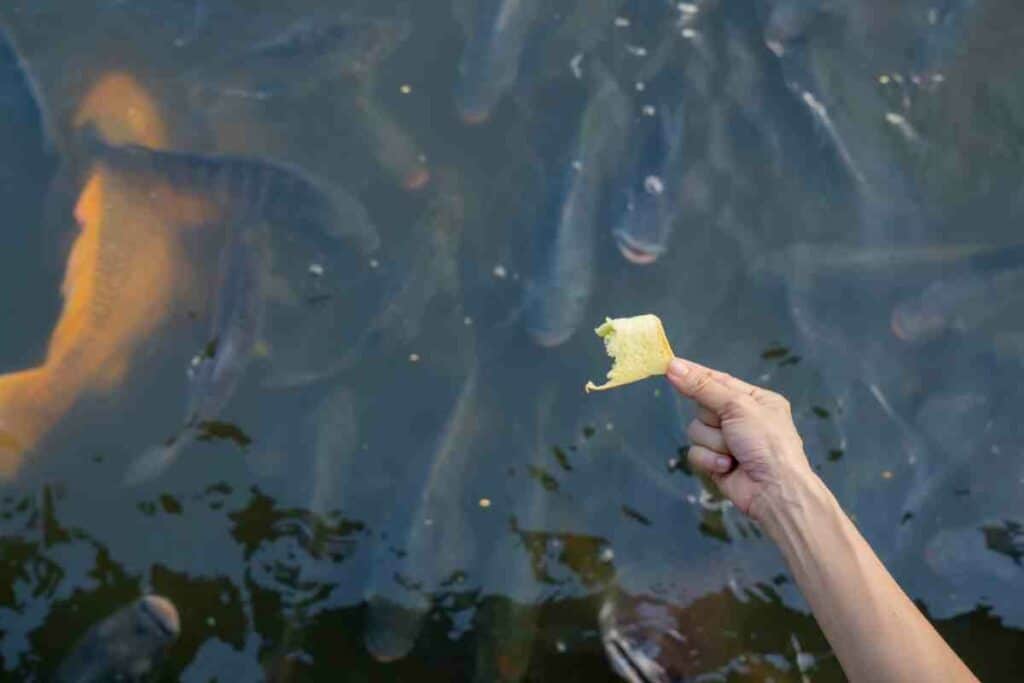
<point>722,463</point>
<point>677,368</point>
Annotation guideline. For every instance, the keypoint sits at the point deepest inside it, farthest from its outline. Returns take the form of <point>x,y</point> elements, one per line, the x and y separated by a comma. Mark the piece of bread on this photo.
<point>638,347</point>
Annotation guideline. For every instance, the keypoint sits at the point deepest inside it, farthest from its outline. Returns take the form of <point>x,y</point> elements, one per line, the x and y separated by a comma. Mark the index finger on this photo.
<point>709,388</point>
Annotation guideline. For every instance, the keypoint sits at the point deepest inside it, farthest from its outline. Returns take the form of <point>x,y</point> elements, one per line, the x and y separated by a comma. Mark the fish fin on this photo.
<point>152,463</point>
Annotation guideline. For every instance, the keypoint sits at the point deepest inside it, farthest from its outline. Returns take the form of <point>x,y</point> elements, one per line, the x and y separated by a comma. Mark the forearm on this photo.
<point>877,633</point>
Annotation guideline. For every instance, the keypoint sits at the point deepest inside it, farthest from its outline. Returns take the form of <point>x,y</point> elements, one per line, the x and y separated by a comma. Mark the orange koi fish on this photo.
<point>122,278</point>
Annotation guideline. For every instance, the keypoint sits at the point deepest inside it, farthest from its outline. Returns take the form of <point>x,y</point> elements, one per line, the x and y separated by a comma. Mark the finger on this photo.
<point>700,384</point>
<point>708,461</point>
<point>702,435</point>
<point>709,418</point>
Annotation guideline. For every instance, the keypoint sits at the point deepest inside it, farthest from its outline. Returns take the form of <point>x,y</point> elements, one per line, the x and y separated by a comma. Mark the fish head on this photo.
<point>643,227</point>
<point>789,22</point>
<point>915,322</point>
<point>554,311</point>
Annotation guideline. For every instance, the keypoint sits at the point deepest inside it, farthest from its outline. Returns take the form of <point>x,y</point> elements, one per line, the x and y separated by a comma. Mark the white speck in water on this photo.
<point>576,66</point>
<point>898,78</point>
<point>422,158</point>
<point>654,185</point>
<point>561,647</point>
<point>414,358</point>
<point>691,499</point>
<point>938,78</point>
<point>316,269</point>
<point>467,321</point>
<point>405,89</point>
<point>687,8</point>
<point>883,79</point>
<point>933,16</point>
<point>637,50</point>
<point>648,110</point>
<point>640,86</point>
<point>688,33</point>
<point>622,22</point>
<point>500,272</point>
<point>607,555</point>
<point>374,263</point>
<point>485,502</point>
<point>577,165</point>
<point>210,621</point>
<point>608,426</point>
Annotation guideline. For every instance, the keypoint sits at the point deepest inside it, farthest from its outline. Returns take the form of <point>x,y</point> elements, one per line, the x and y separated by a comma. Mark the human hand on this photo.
<point>743,437</point>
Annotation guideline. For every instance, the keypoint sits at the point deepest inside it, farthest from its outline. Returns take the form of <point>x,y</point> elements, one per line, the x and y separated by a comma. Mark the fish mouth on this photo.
<point>162,613</point>
<point>417,180</point>
<point>474,116</point>
<point>637,253</point>
<point>549,339</point>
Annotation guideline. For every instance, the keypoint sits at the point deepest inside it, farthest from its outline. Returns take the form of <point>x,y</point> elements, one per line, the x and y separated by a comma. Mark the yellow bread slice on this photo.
<point>638,347</point>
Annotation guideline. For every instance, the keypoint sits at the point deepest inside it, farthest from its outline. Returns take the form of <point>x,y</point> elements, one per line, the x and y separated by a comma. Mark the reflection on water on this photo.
<point>362,244</point>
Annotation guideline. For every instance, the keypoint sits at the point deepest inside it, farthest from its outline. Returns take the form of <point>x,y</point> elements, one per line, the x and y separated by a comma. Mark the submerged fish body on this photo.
<point>245,190</point>
<point>491,58</point>
<point>960,304</point>
<point>560,287</point>
<point>640,639</point>
<point>235,330</point>
<point>650,201</point>
<point>125,646</point>
<point>302,55</point>
<point>125,271</point>
<point>394,148</point>
<point>439,547</point>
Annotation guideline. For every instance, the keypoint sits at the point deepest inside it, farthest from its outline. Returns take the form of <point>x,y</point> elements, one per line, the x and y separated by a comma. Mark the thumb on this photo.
<point>700,384</point>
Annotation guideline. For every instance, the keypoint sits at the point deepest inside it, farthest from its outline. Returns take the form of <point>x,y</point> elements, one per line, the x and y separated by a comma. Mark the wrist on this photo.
<point>799,499</point>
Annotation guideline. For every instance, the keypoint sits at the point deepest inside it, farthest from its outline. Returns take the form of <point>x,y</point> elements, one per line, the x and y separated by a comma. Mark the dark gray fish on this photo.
<point>640,637</point>
<point>560,286</point>
<point>439,546</point>
<point>789,21</point>
<point>125,646</point>
<point>491,57</point>
<point>249,190</point>
<point>394,148</point>
<point>236,328</point>
<point>304,55</point>
<point>652,193</point>
<point>961,304</point>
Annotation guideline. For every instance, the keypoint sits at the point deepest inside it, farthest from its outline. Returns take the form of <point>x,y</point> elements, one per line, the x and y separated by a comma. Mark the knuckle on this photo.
<point>700,384</point>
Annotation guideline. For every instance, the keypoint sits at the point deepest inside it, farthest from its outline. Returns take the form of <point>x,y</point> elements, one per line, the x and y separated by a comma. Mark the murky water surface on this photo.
<point>297,303</point>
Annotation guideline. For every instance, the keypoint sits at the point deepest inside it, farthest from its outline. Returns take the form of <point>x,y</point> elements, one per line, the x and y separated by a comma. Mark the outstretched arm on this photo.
<point>745,439</point>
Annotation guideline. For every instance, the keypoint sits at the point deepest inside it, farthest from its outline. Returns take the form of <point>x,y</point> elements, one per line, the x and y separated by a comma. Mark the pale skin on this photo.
<point>744,438</point>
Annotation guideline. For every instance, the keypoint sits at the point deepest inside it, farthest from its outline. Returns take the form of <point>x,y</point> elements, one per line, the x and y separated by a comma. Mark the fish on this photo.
<point>560,285</point>
<point>303,55</point>
<point>640,637</point>
<point>395,150</point>
<point>491,58</point>
<point>236,328</point>
<point>789,21</point>
<point>243,189</point>
<point>438,547</point>
<point>652,193</point>
<point>126,646</point>
<point>125,271</point>
<point>957,304</point>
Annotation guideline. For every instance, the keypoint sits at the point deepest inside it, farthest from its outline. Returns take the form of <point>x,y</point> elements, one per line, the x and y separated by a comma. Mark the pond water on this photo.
<point>297,303</point>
